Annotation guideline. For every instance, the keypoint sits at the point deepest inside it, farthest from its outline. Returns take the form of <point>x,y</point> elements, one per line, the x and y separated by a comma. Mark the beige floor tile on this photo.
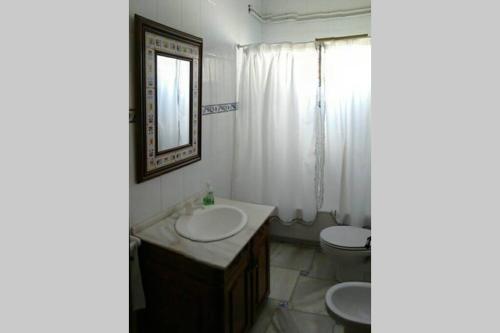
<point>322,267</point>
<point>265,316</point>
<point>274,246</point>
<point>292,256</point>
<point>309,295</point>
<point>282,283</point>
<point>299,322</point>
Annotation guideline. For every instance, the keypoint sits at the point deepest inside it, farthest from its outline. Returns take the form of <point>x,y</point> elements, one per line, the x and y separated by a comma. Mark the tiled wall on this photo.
<point>310,6</point>
<point>222,24</point>
<point>303,31</point>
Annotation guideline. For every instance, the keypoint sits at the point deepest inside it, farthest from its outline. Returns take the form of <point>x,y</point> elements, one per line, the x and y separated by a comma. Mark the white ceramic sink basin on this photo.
<point>349,303</point>
<point>211,223</point>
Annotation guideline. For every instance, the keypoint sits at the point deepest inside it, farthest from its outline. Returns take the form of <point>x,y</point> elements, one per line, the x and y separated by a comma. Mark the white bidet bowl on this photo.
<point>349,304</point>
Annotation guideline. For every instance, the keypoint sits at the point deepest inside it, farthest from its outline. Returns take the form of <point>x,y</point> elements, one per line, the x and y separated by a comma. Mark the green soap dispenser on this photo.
<point>208,199</point>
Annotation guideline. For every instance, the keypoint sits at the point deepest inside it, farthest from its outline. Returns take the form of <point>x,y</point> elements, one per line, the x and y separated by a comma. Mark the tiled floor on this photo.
<point>300,276</point>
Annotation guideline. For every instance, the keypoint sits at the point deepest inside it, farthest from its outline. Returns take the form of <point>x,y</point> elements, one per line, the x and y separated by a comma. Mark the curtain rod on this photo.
<point>326,39</point>
<point>317,40</point>
<point>308,16</point>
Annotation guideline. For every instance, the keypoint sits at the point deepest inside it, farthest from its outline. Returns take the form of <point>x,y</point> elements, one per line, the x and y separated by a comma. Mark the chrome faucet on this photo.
<point>189,207</point>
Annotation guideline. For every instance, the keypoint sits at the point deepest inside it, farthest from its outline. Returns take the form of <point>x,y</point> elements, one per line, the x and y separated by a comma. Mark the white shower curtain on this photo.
<point>346,102</point>
<point>292,154</point>
<point>274,158</point>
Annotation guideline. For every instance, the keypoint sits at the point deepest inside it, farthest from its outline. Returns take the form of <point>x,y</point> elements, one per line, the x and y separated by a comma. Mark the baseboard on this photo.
<point>291,240</point>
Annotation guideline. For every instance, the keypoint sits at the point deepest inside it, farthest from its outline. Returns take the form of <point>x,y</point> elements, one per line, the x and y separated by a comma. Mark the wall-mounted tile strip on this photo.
<point>218,108</point>
<point>205,110</point>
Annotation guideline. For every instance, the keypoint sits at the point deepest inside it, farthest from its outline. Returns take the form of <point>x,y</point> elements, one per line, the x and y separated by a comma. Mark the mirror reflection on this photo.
<point>173,81</point>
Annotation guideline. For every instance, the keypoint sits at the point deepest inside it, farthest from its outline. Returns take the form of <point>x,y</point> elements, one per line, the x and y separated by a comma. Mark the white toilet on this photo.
<point>347,247</point>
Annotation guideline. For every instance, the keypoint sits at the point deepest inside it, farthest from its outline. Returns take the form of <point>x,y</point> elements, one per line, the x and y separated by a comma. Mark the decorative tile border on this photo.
<point>205,110</point>
<point>218,108</point>
<point>155,43</point>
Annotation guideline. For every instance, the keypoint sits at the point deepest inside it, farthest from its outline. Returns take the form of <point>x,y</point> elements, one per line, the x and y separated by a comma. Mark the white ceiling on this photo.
<point>309,6</point>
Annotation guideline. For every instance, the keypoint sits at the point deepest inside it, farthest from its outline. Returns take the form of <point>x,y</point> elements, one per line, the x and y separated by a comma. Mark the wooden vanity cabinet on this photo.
<point>185,295</point>
<point>260,269</point>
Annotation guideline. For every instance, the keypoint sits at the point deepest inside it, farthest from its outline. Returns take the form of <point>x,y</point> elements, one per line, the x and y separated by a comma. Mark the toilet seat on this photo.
<point>353,249</point>
<point>345,238</point>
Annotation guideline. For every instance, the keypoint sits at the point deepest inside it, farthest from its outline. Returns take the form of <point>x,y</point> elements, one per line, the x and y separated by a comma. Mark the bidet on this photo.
<point>349,304</point>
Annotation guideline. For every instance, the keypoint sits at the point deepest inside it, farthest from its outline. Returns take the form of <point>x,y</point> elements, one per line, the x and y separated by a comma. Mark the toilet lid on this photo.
<point>345,236</point>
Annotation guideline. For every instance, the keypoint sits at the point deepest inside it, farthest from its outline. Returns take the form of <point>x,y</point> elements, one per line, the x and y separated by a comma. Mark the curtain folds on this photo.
<point>346,104</point>
<point>298,147</point>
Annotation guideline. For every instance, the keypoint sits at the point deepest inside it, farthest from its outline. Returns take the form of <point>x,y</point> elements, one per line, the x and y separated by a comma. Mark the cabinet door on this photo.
<point>176,303</point>
<point>261,268</point>
<point>239,303</point>
<point>262,273</point>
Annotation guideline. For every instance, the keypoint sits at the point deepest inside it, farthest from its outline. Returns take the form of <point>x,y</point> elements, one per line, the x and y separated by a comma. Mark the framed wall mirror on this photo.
<point>169,76</point>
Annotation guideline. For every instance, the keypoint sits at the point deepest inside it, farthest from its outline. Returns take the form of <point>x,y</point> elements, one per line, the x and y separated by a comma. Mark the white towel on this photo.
<point>137,299</point>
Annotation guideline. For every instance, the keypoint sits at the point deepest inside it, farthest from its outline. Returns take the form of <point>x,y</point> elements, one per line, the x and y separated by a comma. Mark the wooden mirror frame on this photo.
<point>152,38</point>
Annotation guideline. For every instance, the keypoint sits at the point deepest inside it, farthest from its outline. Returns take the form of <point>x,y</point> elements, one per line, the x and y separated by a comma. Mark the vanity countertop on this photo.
<point>218,253</point>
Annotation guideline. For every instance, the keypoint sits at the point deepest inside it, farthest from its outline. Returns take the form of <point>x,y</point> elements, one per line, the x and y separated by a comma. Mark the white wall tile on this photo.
<point>210,79</point>
<point>301,6</point>
<point>191,16</point>
<point>145,200</point>
<point>210,30</point>
<point>222,24</point>
<point>168,13</point>
<point>228,79</point>
<point>171,188</point>
<point>146,8</point>
<point>192,176</point>
<point>208,137</point>
<point>309,30</point>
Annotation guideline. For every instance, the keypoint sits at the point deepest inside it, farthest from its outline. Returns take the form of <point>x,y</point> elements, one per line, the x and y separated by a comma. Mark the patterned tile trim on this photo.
<point>218,108</point>
<point>205,110</point>
<point>157,43</point>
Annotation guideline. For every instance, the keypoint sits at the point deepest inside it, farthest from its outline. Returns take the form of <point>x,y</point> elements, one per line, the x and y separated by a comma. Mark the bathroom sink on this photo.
<point>211,223</point>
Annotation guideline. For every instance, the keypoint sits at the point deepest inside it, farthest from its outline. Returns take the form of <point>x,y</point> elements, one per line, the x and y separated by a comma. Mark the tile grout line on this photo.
<point>311,263</point>
<point>304,273</point>
<point>299,246</point>
<point>297,282</point>
<point>288,304</point>
<point>293,291</point>
<point>320,278</point>
<point>283,267</point>
<point>308,271</point>
<point>273,312</point>
<point>312,313</point>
